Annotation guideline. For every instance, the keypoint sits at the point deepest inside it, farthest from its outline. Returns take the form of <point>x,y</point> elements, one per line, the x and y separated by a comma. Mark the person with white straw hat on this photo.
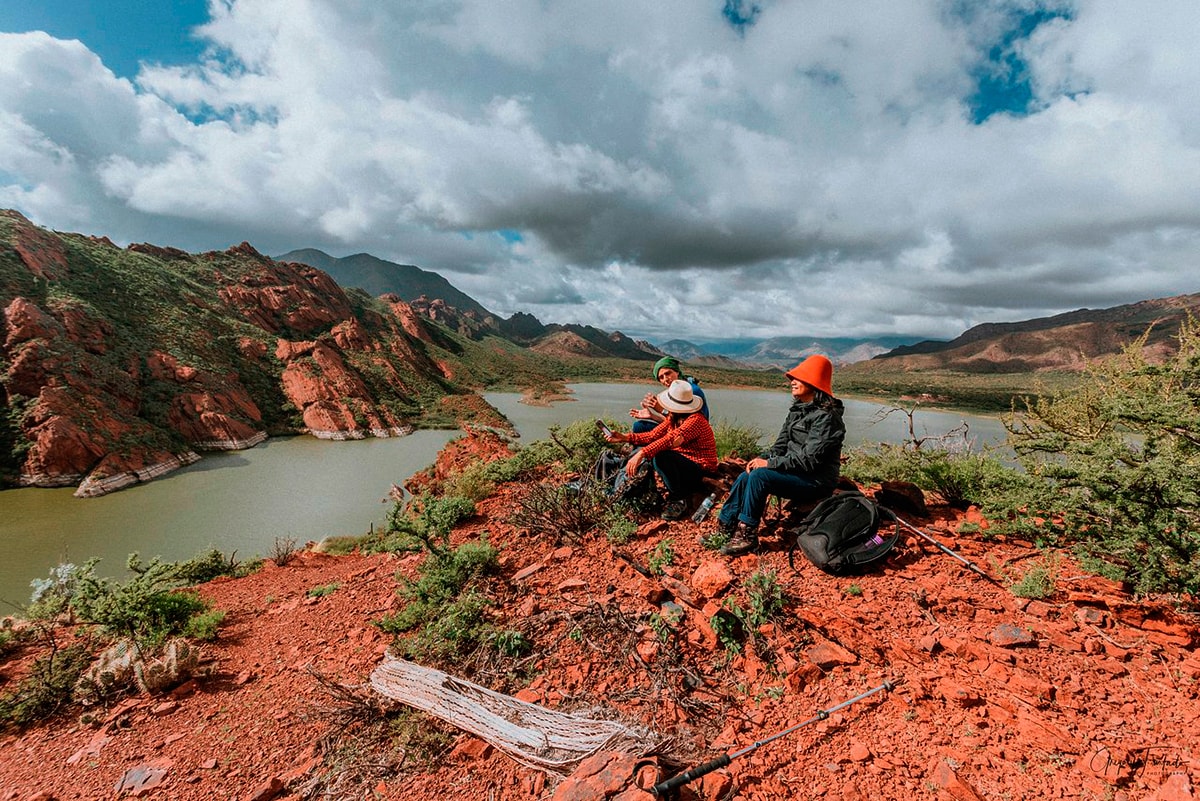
<point>682,448</point>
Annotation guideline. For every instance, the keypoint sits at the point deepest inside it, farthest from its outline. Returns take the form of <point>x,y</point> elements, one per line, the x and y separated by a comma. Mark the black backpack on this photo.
<point>841,535</point>
<point>609,471</point>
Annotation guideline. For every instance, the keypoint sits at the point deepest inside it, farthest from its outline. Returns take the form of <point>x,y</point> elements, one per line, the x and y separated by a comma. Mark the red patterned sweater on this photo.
<point>693,438</point>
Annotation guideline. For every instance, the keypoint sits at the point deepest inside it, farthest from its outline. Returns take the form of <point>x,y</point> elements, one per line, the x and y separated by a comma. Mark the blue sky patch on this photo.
<point>122,33</point>
<point>740,14</point>
<point>1002,80</point>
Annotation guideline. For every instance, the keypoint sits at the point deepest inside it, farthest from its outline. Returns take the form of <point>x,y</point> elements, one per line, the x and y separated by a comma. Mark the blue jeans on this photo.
<point>642,426</point>
<point>748,495</point>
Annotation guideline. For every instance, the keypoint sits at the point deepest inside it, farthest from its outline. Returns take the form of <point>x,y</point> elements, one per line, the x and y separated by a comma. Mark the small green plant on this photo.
<point>511,643</point>
<point>1036,583</point>
<point>575,634</point>
<point>854,590</point>
<point>206,567</point>
<point>729,626</point>
<point>445,613</point>
<point>715,541</point>
<point>766,597</point>
<point>661,557</point>
<point>621,529</point>
<point>203,626</point>
<point>321,590</point>
<point>665,624</point>
<point>345,544</point>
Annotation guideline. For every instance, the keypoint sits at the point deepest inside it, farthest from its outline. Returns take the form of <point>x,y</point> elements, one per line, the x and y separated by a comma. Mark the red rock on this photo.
<point>572,584</point>
<point>858,752</point>
<point>1177,787</point>
<point>1006,635</point>
<point>526,572</point>
<point>142,779</point>
<point>601,775</point>
<point>268,789</point>
<point>827,655</point>
<point>957,694</point>
<point>711,578</point>
<point>470,749</point>
<point>682,592</point>
<point>945,777</point>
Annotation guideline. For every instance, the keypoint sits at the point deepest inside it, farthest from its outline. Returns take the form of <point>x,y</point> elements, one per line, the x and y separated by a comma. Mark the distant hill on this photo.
<point>1065,341</point>
<point>377,276</point>
<point>432,296</point>
<point>781,352</point>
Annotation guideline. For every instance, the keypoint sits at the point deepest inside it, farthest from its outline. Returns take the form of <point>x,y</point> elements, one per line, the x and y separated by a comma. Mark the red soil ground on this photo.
<point>1087,693</point>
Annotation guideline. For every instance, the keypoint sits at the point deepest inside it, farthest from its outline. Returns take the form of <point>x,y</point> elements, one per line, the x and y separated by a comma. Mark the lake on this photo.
<point>303,488</point>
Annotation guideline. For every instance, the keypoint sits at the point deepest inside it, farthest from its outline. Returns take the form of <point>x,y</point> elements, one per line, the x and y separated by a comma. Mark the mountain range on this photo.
<point>1063,342</point>
<point>424,289</point>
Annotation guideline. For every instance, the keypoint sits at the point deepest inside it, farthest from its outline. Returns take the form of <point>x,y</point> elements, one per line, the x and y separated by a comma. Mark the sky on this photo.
<point>696,169</point>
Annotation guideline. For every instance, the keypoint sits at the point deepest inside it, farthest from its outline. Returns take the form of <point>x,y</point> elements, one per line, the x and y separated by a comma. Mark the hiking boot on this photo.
<point>744,540</point>
<point>674,509</point>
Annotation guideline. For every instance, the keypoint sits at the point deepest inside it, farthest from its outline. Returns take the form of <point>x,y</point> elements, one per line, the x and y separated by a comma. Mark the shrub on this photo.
<point>1117,464</point>
<point>479,480</point>
<point>737,440</point>
<point>321,590</point>
<point>563,512</point>
<point>283,551</point>
<point>45,690</point>
<point>443,578</point>
<point>147,608</point>
<point>620,528</point>
<point>580,445</point>
<point>962,478</point>
<point>206,567</point>
<point>424,521</point>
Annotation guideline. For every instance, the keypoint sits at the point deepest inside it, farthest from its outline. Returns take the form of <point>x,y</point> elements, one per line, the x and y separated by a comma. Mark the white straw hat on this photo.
<point>679,398</point>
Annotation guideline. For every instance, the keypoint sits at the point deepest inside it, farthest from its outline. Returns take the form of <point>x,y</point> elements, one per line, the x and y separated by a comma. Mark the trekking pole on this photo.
<point>679,780</point>
<point>970,565</point>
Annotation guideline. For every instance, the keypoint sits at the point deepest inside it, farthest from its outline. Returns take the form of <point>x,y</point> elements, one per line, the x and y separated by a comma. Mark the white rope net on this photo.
<point>533,735</point>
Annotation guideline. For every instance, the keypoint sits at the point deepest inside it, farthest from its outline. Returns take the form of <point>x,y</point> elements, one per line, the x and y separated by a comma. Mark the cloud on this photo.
<point>668,170</point>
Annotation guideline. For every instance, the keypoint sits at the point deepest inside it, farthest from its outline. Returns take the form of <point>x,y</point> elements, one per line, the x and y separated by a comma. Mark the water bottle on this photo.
<point>705,507</point>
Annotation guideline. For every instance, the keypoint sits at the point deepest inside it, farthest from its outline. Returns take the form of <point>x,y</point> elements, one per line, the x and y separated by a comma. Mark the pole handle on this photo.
<point>680,779</point>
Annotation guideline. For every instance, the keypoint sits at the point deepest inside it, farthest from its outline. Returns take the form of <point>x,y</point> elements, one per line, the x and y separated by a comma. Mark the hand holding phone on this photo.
<point>604,429</point>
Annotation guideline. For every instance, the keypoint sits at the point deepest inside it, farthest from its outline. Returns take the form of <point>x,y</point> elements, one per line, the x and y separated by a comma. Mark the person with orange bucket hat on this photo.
<point>803,464</point>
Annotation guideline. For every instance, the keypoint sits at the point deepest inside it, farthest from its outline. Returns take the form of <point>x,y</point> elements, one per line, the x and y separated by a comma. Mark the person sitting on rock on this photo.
<point>803,464</point>
<point>682,448</point>
<point>649,414</point>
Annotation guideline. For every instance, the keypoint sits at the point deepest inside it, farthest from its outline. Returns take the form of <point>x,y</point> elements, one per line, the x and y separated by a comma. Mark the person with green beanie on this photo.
<point>650,413</point>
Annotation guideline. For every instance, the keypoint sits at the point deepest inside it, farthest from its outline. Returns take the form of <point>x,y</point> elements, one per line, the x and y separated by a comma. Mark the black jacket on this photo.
<point>810,442</point>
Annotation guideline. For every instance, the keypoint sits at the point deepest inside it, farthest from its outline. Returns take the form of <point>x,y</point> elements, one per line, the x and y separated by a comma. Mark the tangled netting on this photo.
<point>533,735</point>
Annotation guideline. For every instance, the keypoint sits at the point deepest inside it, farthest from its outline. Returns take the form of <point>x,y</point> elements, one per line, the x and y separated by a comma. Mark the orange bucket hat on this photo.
<point>816,371</point>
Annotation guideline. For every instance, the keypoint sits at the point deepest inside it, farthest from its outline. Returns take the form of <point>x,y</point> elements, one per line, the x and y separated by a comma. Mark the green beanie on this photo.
<point>667,361</point>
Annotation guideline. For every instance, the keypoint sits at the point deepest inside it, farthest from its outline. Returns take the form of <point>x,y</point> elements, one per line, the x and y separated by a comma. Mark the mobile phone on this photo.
<point>603,428</point>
